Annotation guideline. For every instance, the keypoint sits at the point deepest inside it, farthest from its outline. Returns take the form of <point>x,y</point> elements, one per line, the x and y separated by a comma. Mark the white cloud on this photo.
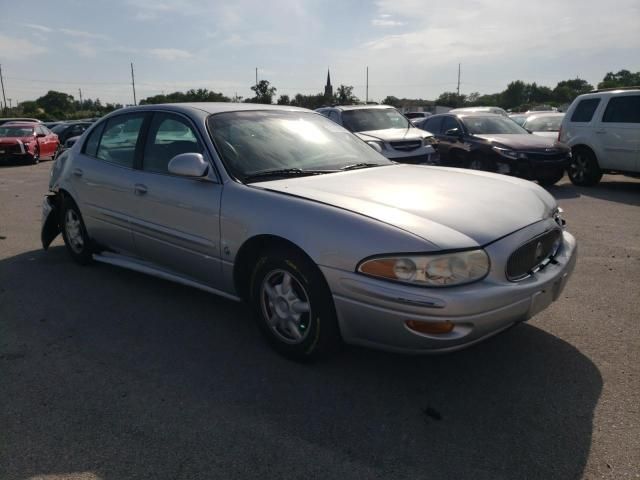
<point>169,53</point>
<point>41,28</point>
<point>255,38</point>
<point>83,34</point>
<point>16,48</point>
<point>83,49</point>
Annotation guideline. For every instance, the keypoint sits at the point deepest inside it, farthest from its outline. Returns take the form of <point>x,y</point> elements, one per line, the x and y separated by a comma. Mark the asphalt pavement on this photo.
<point>109,374</point>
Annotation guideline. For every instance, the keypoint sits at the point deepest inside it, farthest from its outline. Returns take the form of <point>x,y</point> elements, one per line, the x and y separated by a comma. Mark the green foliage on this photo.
<point>56,104</point>
<point>393,101</point>
<point>344,95</point>
<point>567,90</point>
<point>451,99</point>
<point>199,95</point>
<point>264,92</point>
<point>624,78</point>
<point>284,100</point>
<point>309,101</point>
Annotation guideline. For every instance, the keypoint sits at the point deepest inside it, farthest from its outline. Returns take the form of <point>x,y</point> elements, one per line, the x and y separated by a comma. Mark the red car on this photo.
<point>27,141</point>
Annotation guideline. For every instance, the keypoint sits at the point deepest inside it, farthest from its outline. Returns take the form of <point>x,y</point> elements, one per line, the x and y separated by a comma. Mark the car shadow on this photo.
<point>620,191</point>
<point>115,374</point>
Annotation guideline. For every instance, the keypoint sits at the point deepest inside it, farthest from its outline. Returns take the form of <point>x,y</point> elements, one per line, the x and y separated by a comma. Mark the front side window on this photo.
<point>623,109</point>
<point>433,125</point>
<point>253,142</point>
<point>449,123</point>
<point>169,135</point>
<point>493,125</point>
<point>365,119</point>
<point>585,109</point>
<point>119,139</point>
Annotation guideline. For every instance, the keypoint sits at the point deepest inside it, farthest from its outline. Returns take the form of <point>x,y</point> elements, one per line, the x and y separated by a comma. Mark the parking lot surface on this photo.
<point>110,374</point>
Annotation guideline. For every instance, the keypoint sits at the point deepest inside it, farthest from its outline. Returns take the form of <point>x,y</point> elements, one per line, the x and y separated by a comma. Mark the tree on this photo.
<point>199,95</point>
<point>391,100</point>
<point>345,96</point>
<point>57,104</point>
<point>514,95</point>
<point>264,92</point>
<point>451,99</point>
<point>284,100</point>
<point>309,101</point>
<point>30,107</point>
<point>624,78</point>
<point>566,90</point>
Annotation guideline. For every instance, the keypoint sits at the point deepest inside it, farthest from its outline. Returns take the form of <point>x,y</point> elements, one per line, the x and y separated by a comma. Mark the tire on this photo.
<point>584,170</point>
<point>551,178</point>
<point>74,233</point>
<point>293,305</point>
<point>479,162</point>
<point>35,159</point>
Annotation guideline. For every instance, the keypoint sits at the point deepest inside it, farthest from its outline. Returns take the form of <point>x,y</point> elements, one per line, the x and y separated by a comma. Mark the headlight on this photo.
<point>438,270</point>
<point>429,141</point>
<point>505,152</point>
<point>558,218</point>
<point>377,146</point>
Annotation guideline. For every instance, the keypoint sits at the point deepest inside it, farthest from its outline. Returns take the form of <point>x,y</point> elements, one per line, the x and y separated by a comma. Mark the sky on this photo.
<point>412,47</point>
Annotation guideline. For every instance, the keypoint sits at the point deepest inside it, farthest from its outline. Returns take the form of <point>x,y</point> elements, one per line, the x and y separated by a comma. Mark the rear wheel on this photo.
<point>74,233</point>
<point>293,305</point>
<point>584,170</point>
<point>551,178</point>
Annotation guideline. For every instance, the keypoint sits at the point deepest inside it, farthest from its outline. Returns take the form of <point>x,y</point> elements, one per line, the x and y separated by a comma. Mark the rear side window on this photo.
<point>91,146</point>
<point>169,135</point>
<point>623,109</point>
<point>584,110</point>
<point>333,115</point>
<point>433,125</point>
<point>119,139</point>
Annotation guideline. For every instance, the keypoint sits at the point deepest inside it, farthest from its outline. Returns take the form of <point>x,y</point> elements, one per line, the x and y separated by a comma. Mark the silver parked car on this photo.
<point>325,237</point>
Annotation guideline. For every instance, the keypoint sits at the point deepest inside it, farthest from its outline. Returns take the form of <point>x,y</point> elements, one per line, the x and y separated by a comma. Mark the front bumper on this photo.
<point>373,312</point>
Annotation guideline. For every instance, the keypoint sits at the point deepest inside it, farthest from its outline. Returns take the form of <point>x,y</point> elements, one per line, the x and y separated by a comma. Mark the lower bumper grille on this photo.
<point>532,254</point>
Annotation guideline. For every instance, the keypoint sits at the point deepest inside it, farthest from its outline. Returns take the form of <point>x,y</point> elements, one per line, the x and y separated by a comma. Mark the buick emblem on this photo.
<point>539,251</point>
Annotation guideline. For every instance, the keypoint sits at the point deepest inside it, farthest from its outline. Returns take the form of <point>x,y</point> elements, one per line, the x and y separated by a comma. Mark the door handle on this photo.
<point>140,189</point>
<point>77,172</point>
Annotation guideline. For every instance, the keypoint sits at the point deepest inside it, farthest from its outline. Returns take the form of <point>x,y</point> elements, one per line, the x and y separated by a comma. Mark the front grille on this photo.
<point>406,145</point>
<point>415,159</point>
<point>10,149</point>
<point>533,253</point>
<point>555,155</point>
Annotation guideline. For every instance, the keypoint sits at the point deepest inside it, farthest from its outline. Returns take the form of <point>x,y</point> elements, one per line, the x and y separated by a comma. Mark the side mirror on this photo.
<point>40,135</point>
<point>453,132</point>
<point>188,165</point>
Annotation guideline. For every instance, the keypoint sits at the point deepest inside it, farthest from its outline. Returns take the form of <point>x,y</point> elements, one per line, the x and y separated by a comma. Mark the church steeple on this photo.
<point>328,88</point>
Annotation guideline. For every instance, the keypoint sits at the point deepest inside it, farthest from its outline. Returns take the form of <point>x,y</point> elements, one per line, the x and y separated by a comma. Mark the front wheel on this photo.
<point>481,163</point>
<point>74,233</point>
<point>293,305</point>
<point>584,170</point>
<point>35,159</point>
<point>551,178</point>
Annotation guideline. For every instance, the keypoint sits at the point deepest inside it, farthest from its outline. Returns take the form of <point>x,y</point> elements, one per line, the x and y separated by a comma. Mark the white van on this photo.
<point>603,130</point>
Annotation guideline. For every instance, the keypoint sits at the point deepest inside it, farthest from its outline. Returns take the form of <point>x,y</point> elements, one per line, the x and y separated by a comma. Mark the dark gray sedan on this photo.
<point>326,238</point>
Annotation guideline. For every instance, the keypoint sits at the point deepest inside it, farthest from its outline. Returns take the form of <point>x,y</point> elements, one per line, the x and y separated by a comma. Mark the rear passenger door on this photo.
<point>618,132</point>
<point>176,223</point>
<point>103,179</point>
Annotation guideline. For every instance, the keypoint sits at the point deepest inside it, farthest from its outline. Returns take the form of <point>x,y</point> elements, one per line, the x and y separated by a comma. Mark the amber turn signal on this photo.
<point>429,327</point>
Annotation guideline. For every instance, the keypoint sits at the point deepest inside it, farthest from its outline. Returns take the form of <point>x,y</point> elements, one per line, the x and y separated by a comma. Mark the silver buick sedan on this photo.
<point>327,239</point>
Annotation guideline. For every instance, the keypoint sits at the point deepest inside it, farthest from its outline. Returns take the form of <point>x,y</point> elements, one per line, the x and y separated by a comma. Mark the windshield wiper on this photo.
<point>284,172</point>
<point>355,166</point>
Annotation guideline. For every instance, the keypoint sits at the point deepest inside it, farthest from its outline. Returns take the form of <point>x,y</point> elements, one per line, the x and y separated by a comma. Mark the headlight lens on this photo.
<point>439,270</point>
<point>558,218</point>
<point>377,146</point>
<point>429,141</point>
<point>505,152</point>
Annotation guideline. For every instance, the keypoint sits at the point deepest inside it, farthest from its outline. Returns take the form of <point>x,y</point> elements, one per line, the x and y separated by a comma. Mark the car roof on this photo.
<point>212,107</point>
<point>468,114</point>
<point>21,124</point>
<point>610,93</point>
<point>362,107</point>
<point>19,119</point>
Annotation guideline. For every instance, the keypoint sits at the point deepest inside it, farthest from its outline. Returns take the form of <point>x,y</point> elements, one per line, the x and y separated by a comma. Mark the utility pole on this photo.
<point>3,97</point>
<point>458,80</point>
<point>133,85</point>
<point>256,80</point>
<point>366,95</point>
<point>80,92</point>
<point>10,107</point>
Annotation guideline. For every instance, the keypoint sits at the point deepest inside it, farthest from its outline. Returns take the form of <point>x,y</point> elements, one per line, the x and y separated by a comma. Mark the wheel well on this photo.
<point>248,256</point>
<point>581,146</point>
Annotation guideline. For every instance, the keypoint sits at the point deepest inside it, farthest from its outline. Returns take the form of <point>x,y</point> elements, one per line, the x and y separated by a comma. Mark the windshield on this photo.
<point>492,125</point>
<point>60,128</point>
<point>549,123</point>
<point>16,131</point>
<point>363,120</point>
<point>259,141</point>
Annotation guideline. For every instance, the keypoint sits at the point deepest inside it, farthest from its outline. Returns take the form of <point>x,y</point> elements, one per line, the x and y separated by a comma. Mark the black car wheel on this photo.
<point>550,178</point>
<point>74,233</point>
<point>35,158</point>
<point>584,170</point>
<point>293,305</point>
<point>480,162</point>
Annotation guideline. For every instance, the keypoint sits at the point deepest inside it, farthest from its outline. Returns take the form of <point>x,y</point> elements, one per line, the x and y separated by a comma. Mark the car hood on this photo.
<point>393,134</point>
<point>449,207</point>
<point>524,141</point>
